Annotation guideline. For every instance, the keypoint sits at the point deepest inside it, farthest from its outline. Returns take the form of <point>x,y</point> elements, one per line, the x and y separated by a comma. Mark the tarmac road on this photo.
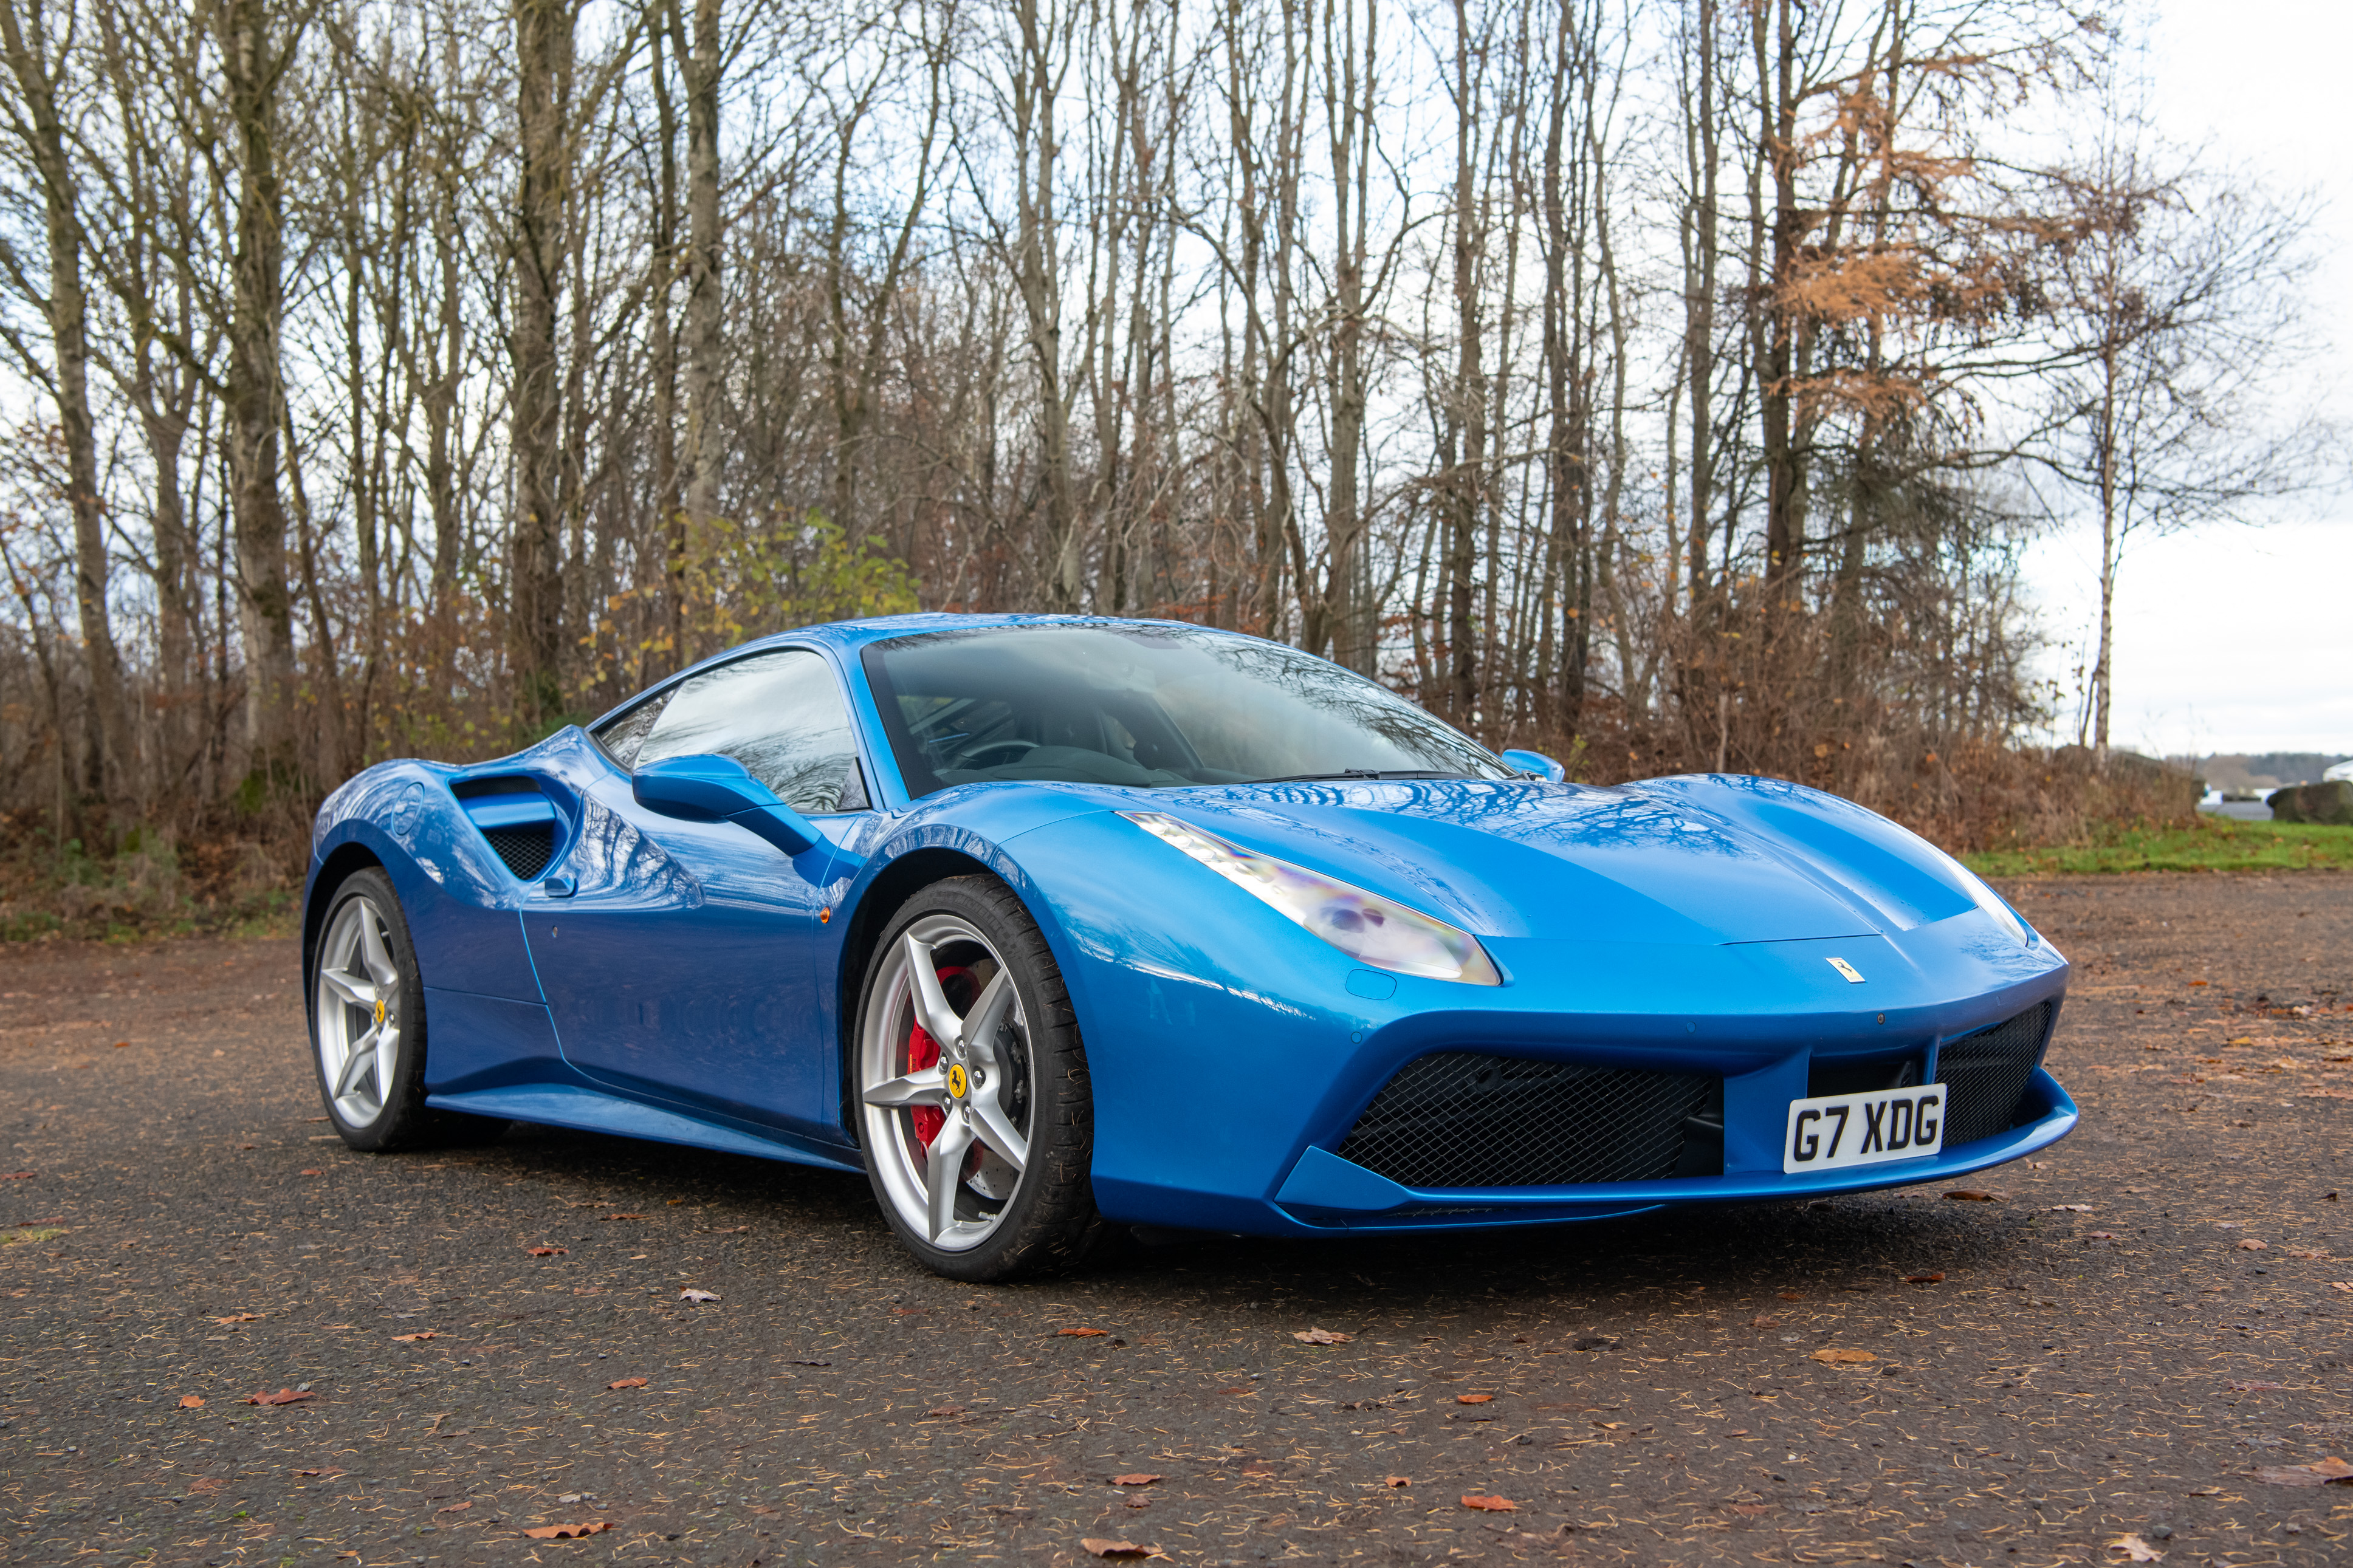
<point>188,1231</point>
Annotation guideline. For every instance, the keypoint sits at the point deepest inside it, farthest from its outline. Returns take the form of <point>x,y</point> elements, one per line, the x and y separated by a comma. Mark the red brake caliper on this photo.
<point>923,1051</point>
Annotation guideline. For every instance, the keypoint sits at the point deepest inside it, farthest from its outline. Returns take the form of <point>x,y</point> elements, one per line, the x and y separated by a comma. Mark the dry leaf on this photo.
<point>419,1334</point>
<point>945,1412</point>
<point>284,1396</point>
<point>2239,1387</point>
<point>1138,1480</point>
<point>569,1531</point>
<point>1103,1546</point>
<point>1474,1399</point>
<point>627,1383</point>
<point>456,1508</point>
<point>547,1251</point>
<point>209,1484</point>
<point>15,1175</point>
<point>1490,1504</point>
<point>122,1045</point>
<point>2136,1549</point>
<point>1971,1195</point>
<point>2330,1471</point>
<point>1936,1279</point>
<point>2252,1245</point>
<point>2069,1208</point>
<point>2340,1284</point>
<point>190,1401</point>
<point>1841,1358</point>
<point>314,1172</point>
<point>1398,1481</point>
<point>240,1318</point>
<point>698,1295</point>
<point>1751,1510</point>
<point>1080,1333</point>
<point>1792,1296</point>
<point>1321,1337</point>
<point>621,1216</point>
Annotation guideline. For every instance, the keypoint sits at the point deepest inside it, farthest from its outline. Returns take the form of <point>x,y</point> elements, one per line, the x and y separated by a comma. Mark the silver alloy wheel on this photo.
<point>945,1094</point>
<point>357,1004</point>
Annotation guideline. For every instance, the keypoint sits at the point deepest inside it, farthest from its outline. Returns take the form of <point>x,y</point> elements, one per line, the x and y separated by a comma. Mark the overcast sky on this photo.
<point>2239,639</point>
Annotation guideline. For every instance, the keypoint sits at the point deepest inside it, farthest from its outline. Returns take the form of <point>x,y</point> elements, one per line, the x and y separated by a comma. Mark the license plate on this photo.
<point>1836,1130</point>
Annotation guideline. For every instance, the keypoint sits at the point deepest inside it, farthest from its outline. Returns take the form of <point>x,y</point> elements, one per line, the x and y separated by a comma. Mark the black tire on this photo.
<point>382,1108</point>
<point>1048,1220</point>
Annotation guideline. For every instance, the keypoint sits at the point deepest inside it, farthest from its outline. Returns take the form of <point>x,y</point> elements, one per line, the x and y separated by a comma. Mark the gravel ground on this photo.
<point>2108,1349</point>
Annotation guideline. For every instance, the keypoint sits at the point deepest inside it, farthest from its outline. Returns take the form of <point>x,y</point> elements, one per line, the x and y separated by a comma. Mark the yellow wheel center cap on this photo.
<point>957,1082</point>
<point>379,1012</point>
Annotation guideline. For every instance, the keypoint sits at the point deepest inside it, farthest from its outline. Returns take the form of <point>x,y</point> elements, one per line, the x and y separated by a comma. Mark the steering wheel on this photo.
<point>1020,749</point>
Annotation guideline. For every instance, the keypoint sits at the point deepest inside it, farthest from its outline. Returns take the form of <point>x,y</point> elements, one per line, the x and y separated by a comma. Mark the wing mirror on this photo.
<point>1536,762</point>
<point>708,788</point>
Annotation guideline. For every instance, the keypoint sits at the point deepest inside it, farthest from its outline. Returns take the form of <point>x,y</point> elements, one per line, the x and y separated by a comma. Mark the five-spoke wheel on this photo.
<point>972,1088</point>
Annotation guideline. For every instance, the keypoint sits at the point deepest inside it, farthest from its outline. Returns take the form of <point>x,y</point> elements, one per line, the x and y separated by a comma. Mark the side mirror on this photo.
<point>1536,762</point>
<point>707,788</point>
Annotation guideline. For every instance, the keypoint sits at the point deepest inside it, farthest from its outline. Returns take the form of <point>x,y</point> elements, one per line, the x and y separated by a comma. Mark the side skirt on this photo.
<point>586,1110</point>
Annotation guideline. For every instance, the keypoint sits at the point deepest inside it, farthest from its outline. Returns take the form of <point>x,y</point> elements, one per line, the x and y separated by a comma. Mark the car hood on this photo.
<point>1573,863</point>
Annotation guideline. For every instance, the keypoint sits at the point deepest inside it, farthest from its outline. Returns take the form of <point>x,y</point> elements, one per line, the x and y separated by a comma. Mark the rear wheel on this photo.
<point>367,1025</point>
<point>974,1107</point>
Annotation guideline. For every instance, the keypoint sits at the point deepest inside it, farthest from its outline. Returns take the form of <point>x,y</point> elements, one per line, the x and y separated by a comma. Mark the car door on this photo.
<point>681,963</point>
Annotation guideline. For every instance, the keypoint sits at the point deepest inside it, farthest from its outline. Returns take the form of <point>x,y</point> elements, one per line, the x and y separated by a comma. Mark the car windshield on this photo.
<point>1148,706</point>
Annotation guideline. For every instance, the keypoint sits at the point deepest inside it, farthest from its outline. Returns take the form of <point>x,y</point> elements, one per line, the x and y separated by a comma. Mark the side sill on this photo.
<point>586,1110</point>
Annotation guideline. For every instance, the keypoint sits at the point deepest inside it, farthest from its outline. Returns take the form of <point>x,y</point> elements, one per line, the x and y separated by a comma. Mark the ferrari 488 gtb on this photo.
<point>1052,925</point>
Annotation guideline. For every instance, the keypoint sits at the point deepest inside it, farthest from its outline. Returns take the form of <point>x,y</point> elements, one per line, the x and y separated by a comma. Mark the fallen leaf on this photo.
<point>569,1531</point>
<point>1971,1195</point>
<point>908,1311</point>
<point>455,1508</point>
<point>1244,1388</point>
<point>945,1412</point>
<point>122,1045</point>
<point>2136,1549</point>
<point>1103,1546</point>
<point>1080,1333</point>
<point>547,1251</point>
<point>1322,1337</point>
<point>2240,1385</point>
<point>1398,1481</point>
<point>284,1396</point>
<point>1936,1279</point>
<point>190,1401</point>
<point>15,1175</point>
<point>2330,1471</point>
<point>1763,1320</point>
<point>314,1172</point>
<point>240,1318</point>
<point>1841,1358</point>
<point>1792,1296</point>
<point>2304,1252</point>
<point>1490,1504</point>
<point>1474,1399</point>
<point>689,1295</point>
<point>419,1334</point>
<point>622,1217</point>
<point>627,1383</point>
<point>209,1484</point>
<point>1751,1510</point>
<point>1137,1481</point>
<point>2340,1284</point>
<point>2069,1208</point>
<point>2252,1245</point>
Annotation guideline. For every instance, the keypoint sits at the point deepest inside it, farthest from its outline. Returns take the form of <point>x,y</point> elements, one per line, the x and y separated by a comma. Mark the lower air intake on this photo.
<point>1455,1120</point>
<point>1985,1074</point>
<point>526,850</point>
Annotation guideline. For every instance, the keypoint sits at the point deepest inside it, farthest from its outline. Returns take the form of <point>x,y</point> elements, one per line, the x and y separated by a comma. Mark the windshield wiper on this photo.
<point>1370,773</point>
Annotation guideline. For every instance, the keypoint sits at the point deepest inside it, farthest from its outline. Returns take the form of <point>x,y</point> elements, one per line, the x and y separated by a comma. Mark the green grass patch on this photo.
<point>2215,844</point>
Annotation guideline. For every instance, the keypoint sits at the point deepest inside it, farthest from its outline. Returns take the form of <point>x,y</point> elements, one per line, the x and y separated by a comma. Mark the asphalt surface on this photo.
<point>181,1227</point>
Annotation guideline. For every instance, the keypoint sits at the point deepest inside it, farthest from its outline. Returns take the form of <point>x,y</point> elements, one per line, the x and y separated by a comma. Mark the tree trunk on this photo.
<point>544,59</point>
<point>699,64</point>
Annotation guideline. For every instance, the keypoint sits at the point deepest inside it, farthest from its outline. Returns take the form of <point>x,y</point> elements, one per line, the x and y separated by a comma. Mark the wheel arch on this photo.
<point>880,899</point>
<point>333,871</point>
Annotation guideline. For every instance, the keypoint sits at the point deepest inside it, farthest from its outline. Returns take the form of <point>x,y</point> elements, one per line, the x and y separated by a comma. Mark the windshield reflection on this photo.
<point>1146,706</point>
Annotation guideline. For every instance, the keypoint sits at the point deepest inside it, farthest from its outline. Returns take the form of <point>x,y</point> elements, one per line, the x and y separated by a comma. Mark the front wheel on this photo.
<point>974,1108</point>
<point>367,1025</point>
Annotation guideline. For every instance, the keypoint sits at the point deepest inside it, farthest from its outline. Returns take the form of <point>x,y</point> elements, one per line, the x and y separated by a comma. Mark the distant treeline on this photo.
<point>1665,386</point>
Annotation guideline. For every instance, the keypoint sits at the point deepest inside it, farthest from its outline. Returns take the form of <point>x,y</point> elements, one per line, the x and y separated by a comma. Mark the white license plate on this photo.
<point>1840,1130</point>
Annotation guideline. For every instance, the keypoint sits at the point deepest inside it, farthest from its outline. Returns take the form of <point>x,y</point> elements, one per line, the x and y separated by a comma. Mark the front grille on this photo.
<point>1985,1074</point>
<point>1454,1120</point>
<point>526,850</point>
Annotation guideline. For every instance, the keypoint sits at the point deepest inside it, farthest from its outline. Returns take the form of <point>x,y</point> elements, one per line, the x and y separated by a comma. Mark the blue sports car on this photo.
<point>1054,925</point>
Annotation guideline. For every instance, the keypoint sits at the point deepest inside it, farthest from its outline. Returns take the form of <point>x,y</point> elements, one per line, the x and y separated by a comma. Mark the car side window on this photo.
<point>780,714</point>
<point>623,736</point>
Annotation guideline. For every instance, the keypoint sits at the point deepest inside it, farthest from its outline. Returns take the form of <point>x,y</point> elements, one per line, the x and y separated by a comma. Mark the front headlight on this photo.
<point>1366,927</point>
